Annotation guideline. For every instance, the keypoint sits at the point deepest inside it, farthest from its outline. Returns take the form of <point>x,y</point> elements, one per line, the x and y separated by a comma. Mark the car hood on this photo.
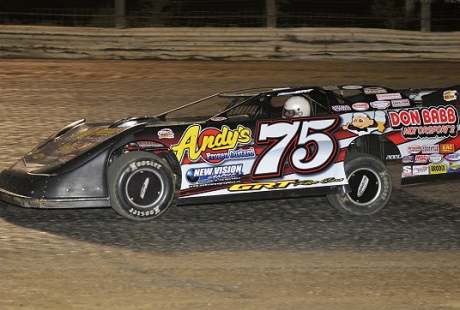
<point>83,140</point>
<point>79,142</point>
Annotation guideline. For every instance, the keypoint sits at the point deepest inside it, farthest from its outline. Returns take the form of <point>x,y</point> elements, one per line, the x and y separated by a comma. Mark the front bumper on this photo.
<point>81,188</point>
<point>66,203</point>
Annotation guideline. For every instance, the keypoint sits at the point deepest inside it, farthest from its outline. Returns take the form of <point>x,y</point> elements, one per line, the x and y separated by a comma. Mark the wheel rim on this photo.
<point>365,186</point>
<point>144,188</point>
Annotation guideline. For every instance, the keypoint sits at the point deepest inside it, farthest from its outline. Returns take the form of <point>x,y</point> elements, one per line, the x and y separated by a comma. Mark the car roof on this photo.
<point>251,92</point>
<point>293,90</point>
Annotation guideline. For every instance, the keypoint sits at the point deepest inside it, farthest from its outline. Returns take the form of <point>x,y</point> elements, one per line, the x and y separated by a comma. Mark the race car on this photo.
<point>351,143</point>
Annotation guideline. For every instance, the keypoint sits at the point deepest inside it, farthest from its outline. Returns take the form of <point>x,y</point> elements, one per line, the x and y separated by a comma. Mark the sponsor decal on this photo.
<point>362,186</point>
<point>280,184</point>
<point>330,87</point>
<point>166,133</point>
<point>212,142</point>
<point>218,118</point>
<point>452,157</point>
<point>295,92</point>
<point>438,168</point>
<point>374,90</point>
<point>430,149</point>
<point>446,148</point>
<point>407,171</point>
<point>438,121</point>
<point>352,87</point>
<point>393,157</point>
<point>364,123</point>
<point>215,175</point>
<point>420,170</point>
<point>400,103</point>
<point>380,104</point>
<point>421,159</point>
<point>71,147</point>
<point>450,95</point>
<point>436,158</point>
<point>96,134</point>
<point>147,144</point>
<point>39,156</point>
<point>389,96</point>
<point>408,159</point>
<point>341,108</point>
<point>230,154</point>
<point>454,167</point>
<point>414,149</point>
<point>360,106</point>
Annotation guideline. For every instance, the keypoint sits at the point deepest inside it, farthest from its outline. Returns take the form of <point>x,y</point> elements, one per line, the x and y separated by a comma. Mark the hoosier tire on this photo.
<point>141,186</point>
<point>370,184</point>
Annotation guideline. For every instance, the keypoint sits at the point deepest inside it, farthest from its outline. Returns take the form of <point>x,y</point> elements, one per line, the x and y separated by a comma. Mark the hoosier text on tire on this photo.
<point>141,186</point>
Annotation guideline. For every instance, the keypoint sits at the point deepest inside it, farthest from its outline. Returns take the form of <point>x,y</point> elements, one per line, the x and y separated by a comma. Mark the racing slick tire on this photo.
<point>370,184</point>
<point>141,186</point>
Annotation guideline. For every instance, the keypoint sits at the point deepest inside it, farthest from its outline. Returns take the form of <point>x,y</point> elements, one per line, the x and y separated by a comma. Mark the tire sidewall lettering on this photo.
<point>126,182</point>
<point>143,163</point>
<point>133,168</point>
<point>143,213</point>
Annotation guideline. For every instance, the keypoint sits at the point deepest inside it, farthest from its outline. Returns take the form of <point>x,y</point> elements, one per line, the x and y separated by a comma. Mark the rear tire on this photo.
<point>370,183</point>
<point>141,186</point>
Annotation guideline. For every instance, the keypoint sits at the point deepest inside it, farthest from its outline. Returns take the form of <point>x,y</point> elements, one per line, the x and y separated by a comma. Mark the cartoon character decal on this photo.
<point>362,123</point>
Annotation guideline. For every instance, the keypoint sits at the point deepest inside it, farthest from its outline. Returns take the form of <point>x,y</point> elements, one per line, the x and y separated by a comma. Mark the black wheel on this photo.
<point>141,186</point>
<point>370,184</point>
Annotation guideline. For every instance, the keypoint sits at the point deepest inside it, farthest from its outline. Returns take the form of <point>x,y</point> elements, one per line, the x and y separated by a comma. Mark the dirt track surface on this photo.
<point>284,254</point>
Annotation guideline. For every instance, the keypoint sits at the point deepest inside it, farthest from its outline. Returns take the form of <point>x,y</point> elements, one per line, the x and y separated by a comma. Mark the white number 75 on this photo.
<point>308,145</point>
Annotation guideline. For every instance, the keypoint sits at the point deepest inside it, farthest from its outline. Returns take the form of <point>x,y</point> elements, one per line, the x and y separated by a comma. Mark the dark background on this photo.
<point>445,14</point>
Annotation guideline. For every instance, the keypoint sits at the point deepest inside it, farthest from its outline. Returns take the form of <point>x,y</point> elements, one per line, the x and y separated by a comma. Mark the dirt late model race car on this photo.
<point>352,144</point>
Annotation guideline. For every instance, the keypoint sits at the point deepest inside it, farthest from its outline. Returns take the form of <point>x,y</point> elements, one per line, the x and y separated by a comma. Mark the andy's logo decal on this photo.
<point>212,144</point>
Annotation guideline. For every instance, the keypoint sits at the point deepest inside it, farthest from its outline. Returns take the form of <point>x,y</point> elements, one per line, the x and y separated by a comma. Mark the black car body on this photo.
<point>236,146</point>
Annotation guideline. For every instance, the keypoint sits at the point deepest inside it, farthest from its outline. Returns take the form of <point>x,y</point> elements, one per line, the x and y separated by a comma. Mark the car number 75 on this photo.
<point>308,146</point>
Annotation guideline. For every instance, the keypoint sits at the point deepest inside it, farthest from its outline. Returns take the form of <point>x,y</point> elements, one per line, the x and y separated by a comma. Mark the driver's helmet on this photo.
<point>296,106</point>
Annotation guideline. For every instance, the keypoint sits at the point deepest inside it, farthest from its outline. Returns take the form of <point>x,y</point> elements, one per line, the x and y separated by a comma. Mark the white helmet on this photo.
<point>296,106</point>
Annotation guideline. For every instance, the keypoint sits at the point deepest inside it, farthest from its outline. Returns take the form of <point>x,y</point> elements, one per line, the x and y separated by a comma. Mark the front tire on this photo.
<point>370,183</point>
<point>141,186</point>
